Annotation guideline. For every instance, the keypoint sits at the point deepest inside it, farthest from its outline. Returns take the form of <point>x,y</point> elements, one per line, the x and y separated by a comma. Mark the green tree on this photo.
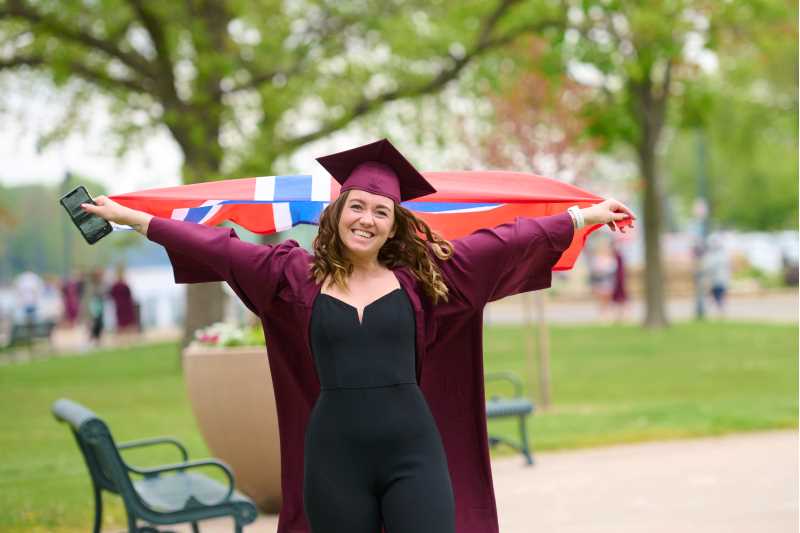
<point>640,57</point>
<point>240,83</point>
<point>747,111</point>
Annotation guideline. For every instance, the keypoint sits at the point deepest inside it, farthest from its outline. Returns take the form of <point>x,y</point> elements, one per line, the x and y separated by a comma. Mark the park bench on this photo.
<point>27,332</point>
<point>512,406</point>
<point>157,499</point>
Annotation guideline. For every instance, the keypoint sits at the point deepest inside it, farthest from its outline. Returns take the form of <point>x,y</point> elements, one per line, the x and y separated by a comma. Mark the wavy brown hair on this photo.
<point>407,248</point>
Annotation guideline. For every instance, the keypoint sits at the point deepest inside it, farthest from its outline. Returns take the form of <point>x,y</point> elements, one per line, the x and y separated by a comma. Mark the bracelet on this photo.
<point>572,218</point>
<point>577,216</point>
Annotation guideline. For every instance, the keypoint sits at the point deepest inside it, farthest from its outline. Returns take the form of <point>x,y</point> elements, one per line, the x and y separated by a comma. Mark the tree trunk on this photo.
<point>652,202</point>
<point>205,303</point>
<point>648,105</point>
<point>543,349</point>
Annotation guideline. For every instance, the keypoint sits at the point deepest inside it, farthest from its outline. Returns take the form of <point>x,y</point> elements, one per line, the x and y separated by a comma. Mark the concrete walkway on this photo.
<point>742,483</point>
<point>780,306</point>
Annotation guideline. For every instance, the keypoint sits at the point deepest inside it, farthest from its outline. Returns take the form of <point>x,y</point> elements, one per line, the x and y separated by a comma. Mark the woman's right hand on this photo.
<point>609,212</point>
<point>113,212</point>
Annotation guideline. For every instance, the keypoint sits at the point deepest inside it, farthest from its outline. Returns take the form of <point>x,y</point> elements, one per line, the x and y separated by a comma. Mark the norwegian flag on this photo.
<point>464,202</point>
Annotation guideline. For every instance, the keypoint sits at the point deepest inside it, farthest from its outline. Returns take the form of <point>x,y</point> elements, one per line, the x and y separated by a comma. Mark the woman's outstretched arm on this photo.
<point>203,254</point>
<point>518,256</point>
<point>119,214</point>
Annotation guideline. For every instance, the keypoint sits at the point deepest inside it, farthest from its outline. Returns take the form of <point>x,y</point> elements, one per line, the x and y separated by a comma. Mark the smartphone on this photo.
<point>92,227</point>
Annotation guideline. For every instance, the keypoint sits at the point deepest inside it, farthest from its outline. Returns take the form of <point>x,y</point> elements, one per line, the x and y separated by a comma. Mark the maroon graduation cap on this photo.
<point>377,168</point>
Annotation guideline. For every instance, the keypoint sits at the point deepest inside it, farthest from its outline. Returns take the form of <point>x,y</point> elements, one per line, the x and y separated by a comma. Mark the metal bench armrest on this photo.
<point>180,467</point>
<point>156,440</point>
<point>506,376</point>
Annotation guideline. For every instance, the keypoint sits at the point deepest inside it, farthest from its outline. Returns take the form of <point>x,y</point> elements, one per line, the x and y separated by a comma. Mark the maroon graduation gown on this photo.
<point>274,282</point>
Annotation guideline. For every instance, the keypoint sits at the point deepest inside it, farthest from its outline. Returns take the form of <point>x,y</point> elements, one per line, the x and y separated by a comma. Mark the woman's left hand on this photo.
<point>609,212</point>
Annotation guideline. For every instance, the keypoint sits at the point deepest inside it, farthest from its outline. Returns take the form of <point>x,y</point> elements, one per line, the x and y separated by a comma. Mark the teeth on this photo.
<point>362,233</point>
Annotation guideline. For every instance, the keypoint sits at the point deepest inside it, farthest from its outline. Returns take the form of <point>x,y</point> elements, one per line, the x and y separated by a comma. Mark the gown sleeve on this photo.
<point>511,258</point>
<point>198,253</point>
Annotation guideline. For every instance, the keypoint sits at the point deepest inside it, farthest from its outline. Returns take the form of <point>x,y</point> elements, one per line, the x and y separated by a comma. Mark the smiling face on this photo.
<point>366,223</point>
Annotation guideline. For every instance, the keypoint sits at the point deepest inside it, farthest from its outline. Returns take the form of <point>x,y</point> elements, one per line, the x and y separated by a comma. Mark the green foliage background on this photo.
<point>747,113</point>
<point>35,237</point>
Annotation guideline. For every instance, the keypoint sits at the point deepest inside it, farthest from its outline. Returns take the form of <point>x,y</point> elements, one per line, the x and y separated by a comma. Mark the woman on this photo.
<point>716,266</point>
<point>374,344</point>
<point>124,306</point>
<point>95,305</point>
<point>619,292</point>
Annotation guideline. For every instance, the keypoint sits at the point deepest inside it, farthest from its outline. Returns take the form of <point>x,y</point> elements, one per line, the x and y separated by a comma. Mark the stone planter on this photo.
<point>230,390</point>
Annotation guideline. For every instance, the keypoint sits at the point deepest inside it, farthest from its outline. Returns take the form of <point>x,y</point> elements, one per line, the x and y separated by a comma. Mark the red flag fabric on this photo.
<point>463,202</point>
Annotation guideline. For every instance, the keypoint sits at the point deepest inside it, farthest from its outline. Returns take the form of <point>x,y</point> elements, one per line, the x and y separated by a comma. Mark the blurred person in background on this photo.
<point>51,306</point>
<point>28,289</point>
<point>789,269</point>
<point>603,269</point>
<point>619,295</point>
<point>124,308</point>
<point>717,270</point>
<point>71,292</point>
<point>95,296</point>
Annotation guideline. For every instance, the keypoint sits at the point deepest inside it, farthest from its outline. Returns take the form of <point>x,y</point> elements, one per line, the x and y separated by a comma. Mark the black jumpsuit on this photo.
<point>373,453</point>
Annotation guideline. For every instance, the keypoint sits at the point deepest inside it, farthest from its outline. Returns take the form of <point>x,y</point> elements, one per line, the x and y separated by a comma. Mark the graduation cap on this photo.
<point>377,168</point>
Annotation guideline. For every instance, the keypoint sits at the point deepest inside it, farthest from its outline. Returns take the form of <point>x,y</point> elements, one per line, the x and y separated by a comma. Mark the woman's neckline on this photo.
<point>360,315</point>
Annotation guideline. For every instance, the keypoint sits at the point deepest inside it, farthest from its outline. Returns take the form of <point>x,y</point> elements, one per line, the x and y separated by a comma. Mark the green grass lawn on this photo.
<point>615,384</point>
<point>610,385</point>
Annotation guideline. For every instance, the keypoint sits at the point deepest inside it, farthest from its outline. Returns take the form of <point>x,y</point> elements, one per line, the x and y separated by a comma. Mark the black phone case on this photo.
<point>106,229</point>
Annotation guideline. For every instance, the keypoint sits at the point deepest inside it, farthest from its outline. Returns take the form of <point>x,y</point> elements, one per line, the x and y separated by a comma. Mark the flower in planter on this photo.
<point>222,334</point>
